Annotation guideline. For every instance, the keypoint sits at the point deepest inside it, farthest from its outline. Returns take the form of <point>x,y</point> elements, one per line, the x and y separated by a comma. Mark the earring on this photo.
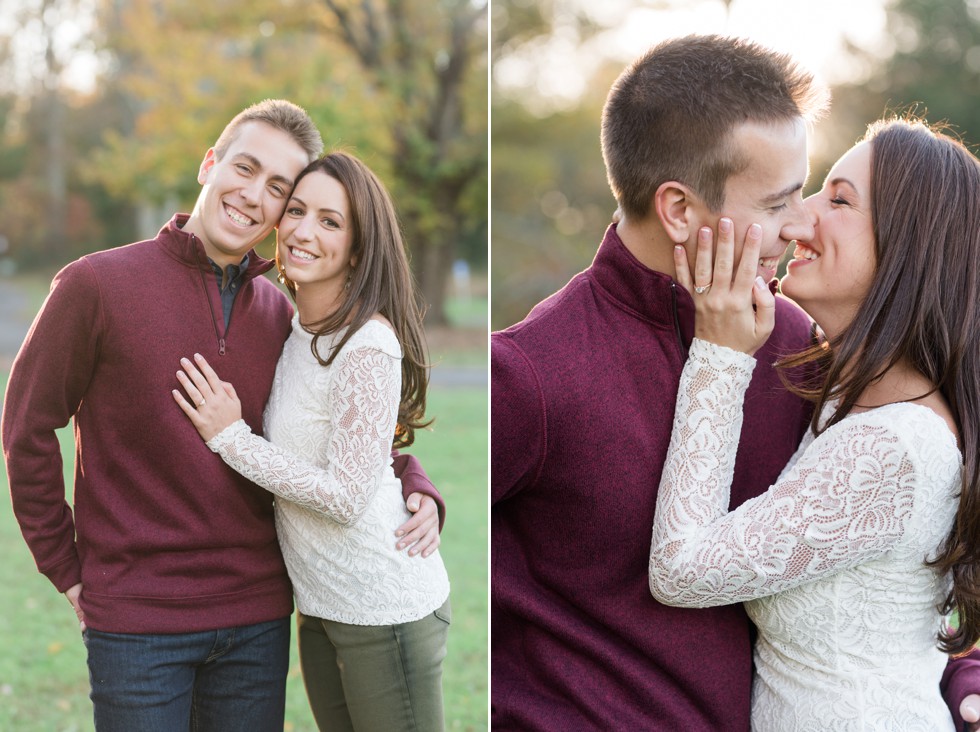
<point>350,275</point>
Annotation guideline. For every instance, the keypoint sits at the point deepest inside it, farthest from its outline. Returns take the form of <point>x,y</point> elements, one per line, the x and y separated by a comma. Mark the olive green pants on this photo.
<point>368,678</point>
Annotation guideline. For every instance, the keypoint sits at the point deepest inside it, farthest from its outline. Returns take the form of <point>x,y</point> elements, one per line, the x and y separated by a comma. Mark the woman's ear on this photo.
<point>674,204</point>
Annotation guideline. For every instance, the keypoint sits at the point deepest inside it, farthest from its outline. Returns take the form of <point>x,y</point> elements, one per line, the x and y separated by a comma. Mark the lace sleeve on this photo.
<point>847,499</point>
<point>364,398</point>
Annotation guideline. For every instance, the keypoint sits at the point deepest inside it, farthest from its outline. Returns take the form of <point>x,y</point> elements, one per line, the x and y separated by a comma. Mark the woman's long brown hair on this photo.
<point>924,307</point>
<point>381,282</point>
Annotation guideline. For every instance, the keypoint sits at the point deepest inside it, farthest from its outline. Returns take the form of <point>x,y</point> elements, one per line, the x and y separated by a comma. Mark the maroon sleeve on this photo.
<point>517,419</point>
<point>409,471</point>
<point>47,382</point>
<point>960,679</point>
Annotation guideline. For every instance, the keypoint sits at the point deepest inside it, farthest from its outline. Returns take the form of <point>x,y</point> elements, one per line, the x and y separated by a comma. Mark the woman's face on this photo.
<point>315,236</point>
<point>830,274</point>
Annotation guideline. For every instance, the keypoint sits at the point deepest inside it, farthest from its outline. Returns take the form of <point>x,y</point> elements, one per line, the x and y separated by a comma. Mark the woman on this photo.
<point>870,530</point>
<point>351,382</point>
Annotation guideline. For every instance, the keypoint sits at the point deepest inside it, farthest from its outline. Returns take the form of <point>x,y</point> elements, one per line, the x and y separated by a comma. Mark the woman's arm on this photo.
<point>364,403</point>
<point>847,499</point>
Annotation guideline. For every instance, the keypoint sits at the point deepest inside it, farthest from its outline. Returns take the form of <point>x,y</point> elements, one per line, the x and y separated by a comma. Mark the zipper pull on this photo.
<point>221,346</point>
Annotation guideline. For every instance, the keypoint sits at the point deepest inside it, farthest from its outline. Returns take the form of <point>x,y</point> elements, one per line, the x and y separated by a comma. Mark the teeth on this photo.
<point>769,262</point>
<point>239,218</point>
<point>300,254</point>
<point>804,252</point>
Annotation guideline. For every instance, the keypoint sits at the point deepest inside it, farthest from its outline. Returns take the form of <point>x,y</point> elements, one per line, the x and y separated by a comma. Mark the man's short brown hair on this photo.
<point>280,114</point>
<point>671,114</point>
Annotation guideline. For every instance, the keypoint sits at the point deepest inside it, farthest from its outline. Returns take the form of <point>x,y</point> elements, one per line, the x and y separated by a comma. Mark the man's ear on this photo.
<point>206,165</point>
<point>674,203</point>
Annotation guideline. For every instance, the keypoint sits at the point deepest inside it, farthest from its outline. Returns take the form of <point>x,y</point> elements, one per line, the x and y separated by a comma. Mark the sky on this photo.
<point>554,74</point>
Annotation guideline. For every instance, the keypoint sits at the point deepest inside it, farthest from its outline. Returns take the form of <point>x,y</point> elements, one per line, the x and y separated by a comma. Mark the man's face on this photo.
<point>769,192</point>
<point>245,192</point>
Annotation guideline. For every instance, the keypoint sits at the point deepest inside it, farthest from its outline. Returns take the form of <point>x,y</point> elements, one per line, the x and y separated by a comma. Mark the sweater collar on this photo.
<point>650,295</point>
<point>189,249</point>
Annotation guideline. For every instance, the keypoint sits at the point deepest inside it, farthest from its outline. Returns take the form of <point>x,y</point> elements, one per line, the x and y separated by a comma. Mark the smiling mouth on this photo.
<point>300,254</point>
<point>238,218</point>
<point>804,252</point>
<point>769,262</point>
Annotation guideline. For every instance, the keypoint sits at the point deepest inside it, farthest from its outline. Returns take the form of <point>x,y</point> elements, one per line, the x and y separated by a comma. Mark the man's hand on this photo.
<point>72,594</point>
<point>970,711</point>
<point>421,532</point>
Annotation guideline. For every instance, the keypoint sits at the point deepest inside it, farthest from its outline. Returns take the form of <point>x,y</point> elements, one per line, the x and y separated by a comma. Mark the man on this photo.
<point>171,559</point>
<point>583,398</point>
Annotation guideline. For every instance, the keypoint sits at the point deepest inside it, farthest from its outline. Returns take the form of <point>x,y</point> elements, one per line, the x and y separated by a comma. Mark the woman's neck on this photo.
<point>317,304</point>
<point>900,383</point>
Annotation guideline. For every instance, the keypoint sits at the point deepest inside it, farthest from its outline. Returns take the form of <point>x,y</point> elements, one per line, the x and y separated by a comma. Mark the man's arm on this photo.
<point>960,687</point>
<point>414,480</point>
<point>517,425</point>
<point>47,381</point>
<point>420,534</point>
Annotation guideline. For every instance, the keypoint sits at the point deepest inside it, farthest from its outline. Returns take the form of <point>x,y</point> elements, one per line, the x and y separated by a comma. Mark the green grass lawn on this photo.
<point>43,676</point>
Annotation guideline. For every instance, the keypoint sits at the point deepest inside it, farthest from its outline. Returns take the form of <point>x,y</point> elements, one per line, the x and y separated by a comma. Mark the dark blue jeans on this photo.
<point>229,680</point>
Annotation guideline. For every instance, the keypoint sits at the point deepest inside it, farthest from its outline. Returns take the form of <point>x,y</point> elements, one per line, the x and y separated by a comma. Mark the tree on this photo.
<point>403,82</point>
<point>420,62</point>
<point>35,204</point>
<point>934,61</point>
<point>550,200</point>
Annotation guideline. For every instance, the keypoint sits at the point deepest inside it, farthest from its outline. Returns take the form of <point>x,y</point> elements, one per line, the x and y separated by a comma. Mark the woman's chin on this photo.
<point>786,285</point>
<point>789,287</point>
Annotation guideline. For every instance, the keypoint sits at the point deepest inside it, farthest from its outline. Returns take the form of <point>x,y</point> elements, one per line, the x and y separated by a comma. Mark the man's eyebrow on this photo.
<point>786,192</point>
<point>257,164</point>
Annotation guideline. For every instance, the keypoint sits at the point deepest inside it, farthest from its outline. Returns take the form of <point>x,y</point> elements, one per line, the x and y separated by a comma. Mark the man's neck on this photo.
<point>648,242</point>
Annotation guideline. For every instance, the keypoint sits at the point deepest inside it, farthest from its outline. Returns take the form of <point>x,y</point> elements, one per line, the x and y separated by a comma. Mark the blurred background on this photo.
<point>107,108</point>
<point>553,62</point>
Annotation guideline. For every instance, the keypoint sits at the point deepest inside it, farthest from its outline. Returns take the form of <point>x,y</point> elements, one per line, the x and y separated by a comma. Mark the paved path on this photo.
<point>17,312</point>
<point>458,376</point>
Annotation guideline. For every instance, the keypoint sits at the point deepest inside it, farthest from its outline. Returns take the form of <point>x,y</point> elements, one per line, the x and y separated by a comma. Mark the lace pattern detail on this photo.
<point>365,399</point>
<point>327,458</point>
<point>831,556</point>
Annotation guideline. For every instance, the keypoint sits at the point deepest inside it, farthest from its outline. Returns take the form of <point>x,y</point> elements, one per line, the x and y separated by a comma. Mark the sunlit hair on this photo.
<point>381,282</point>
<point>923,307</point>
<point>277,113</point>
<point>671,114</point>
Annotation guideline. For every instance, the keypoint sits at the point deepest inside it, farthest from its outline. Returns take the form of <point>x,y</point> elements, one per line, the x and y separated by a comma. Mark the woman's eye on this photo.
<point>838,201</point>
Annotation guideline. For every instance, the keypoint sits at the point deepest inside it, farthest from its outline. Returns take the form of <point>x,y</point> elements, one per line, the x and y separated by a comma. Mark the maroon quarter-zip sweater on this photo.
<point>583,394</point>
<point>165,538</point>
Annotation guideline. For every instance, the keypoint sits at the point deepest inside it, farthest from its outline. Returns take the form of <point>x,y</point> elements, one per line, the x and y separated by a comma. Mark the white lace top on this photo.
<point>327,458</point>
<point>830,558</point>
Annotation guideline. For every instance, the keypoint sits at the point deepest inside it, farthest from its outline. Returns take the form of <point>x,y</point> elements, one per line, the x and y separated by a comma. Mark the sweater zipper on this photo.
<point>214,322</point>
<point>677,318</point>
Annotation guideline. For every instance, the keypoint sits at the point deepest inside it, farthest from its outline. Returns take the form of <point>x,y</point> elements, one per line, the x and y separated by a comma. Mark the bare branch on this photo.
<point>348,29</point>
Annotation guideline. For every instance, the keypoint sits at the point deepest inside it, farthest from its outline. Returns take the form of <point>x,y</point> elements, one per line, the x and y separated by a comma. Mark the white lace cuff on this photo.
<point>722,358</point>
<point>226,438</point>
